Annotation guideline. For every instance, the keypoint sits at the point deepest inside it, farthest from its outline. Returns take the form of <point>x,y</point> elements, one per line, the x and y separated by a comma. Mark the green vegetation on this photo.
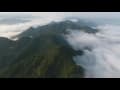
<point>46,55</point>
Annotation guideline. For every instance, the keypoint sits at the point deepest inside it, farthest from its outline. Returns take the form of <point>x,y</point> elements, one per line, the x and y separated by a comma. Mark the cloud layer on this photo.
<point>41,18</point>
<point>9,30</point>
<point>101,57</point>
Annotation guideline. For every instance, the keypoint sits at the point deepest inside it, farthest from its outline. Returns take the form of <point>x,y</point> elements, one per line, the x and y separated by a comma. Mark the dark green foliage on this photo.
<point>47,54</point>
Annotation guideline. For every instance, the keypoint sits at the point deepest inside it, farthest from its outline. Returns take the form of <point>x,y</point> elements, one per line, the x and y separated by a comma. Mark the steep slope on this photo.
<point>6,47</point>
<point>43,52</point>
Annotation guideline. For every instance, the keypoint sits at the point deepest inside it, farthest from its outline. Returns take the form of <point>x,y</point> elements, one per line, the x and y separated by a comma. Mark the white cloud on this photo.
<point>7,30</point>
<point>103,60</point>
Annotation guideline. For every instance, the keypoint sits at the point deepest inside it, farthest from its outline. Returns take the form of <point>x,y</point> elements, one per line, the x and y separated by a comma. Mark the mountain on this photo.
<point>41,52</point>
<point>58,28</point>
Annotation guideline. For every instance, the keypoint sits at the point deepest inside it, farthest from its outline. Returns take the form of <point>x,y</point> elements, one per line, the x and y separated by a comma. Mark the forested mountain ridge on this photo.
<point>41,52</point>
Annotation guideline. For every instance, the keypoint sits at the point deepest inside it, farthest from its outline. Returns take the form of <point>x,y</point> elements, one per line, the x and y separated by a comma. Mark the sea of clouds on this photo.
<point>102,59</point>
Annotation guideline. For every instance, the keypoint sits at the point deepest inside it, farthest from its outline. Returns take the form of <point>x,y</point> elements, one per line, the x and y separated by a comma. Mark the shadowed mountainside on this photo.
<point>41,52</point>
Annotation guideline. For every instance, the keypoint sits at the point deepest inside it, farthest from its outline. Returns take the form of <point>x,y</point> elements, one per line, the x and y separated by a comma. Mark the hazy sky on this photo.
<point>40,18</point>
<point>63,14</point>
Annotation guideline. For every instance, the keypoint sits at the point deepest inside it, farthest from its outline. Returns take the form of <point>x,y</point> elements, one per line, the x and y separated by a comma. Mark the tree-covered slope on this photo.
<point>43,52</point>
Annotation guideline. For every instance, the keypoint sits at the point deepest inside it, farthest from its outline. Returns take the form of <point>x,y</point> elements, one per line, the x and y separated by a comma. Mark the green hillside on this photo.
<point>42,52</point>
